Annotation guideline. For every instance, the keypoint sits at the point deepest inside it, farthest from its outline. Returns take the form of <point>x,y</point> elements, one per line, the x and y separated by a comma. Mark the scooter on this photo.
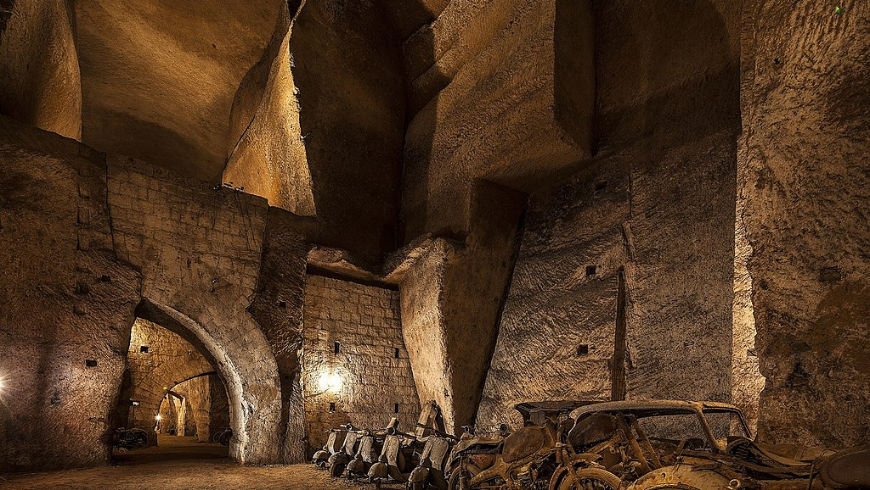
<point>333,445</point>
<point>338,461</point>
<point>433,460</point>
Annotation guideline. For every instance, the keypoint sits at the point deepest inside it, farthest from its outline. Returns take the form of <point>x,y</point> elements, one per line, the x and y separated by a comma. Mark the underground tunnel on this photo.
<point>443,244</point>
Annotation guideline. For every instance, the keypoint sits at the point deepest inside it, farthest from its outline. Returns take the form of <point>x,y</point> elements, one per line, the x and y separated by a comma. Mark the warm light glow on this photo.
<point>2,384</point>
<point>331,382</point>
<point>157,418</point>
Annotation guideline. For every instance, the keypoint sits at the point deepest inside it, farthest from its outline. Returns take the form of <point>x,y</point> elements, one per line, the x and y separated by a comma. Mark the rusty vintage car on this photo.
<point>524,459</point>
<point>646,445</point>
<point>668,444</point>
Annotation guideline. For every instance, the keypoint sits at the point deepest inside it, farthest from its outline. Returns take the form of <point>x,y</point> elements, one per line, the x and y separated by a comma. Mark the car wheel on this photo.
<point>590,479</point>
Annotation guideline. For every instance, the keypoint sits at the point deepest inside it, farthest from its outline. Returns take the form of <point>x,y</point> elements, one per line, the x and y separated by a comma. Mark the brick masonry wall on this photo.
<point>364,321</point>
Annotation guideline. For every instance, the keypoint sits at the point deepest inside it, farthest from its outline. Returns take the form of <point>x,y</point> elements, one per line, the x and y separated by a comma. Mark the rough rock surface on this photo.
<point>66,303</point>
<point>267,154</point>
<point>347,67</point>
<point>803,163</point>
<point>40,82</point>
<point>159,77</point>
<point>199,250</point>
<point>499,90</point>
<point>658,200</point>
<point>278,309</point>
<point>452,298</point>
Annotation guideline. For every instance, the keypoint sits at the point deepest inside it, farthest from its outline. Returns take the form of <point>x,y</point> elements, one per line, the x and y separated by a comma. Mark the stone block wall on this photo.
<point>157,361</point>
<point>362,323</point>
<point>207,411</point>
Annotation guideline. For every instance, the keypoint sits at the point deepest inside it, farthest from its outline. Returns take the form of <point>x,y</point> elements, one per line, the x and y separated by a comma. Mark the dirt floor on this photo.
<point>183,463</point>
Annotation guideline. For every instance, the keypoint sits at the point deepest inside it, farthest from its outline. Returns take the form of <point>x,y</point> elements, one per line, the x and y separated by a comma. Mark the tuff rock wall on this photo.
<point>199,249</point>
<point>804,200</point>
<point>207,411</point>
<point>657,199</point>
<point>95,229</point>
<point>40,82</point>
<point>66,303</point>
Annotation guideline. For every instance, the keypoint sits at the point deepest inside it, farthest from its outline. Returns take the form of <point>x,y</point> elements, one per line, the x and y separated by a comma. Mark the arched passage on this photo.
<point>158,362</point>
<point>250,380</point>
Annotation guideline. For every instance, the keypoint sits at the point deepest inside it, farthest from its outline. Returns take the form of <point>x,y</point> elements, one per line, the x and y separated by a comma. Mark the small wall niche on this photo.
<point>591,270</point>
<point>336,347</point>
<point>583,349</point>
<point>90,363</point>
<point>331,407</point>
<point>143,349</point>
<point>395,408</point>
<point>397,353</point>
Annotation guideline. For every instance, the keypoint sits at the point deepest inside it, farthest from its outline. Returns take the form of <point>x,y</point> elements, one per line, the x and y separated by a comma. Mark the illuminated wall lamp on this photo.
<point>330,382</point>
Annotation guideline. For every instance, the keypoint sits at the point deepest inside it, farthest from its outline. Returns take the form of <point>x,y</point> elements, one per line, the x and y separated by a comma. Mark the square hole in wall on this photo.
<point>90,363</point>
<point>583,349</point>
<point>282,304</point>
<point>336,347</point>
<point>395,408</point>
<point>600,186</point>
<point>143,349</point>
<point>331,407</point>
<point>591,270</point>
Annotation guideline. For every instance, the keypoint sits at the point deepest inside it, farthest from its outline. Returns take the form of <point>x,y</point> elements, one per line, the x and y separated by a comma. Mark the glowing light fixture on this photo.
<point>2,385</point>
<point>158,417</point>
<point>330,382</point>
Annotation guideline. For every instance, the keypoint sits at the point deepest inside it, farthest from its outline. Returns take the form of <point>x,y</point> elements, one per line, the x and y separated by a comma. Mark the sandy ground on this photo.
<point>182,463</point>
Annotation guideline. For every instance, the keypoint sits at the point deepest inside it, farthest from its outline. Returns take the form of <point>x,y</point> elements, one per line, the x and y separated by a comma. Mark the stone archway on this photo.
<point>250,380</point>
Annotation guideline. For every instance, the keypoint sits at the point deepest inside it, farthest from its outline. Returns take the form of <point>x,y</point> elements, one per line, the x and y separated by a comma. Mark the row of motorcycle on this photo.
<point>431,458</point>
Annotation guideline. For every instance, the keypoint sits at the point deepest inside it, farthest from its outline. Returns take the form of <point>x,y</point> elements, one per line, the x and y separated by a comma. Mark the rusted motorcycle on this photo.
<point>370,445</point>
<point>676,444</point>
<point>523,460</point>
<point>519,460</point>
